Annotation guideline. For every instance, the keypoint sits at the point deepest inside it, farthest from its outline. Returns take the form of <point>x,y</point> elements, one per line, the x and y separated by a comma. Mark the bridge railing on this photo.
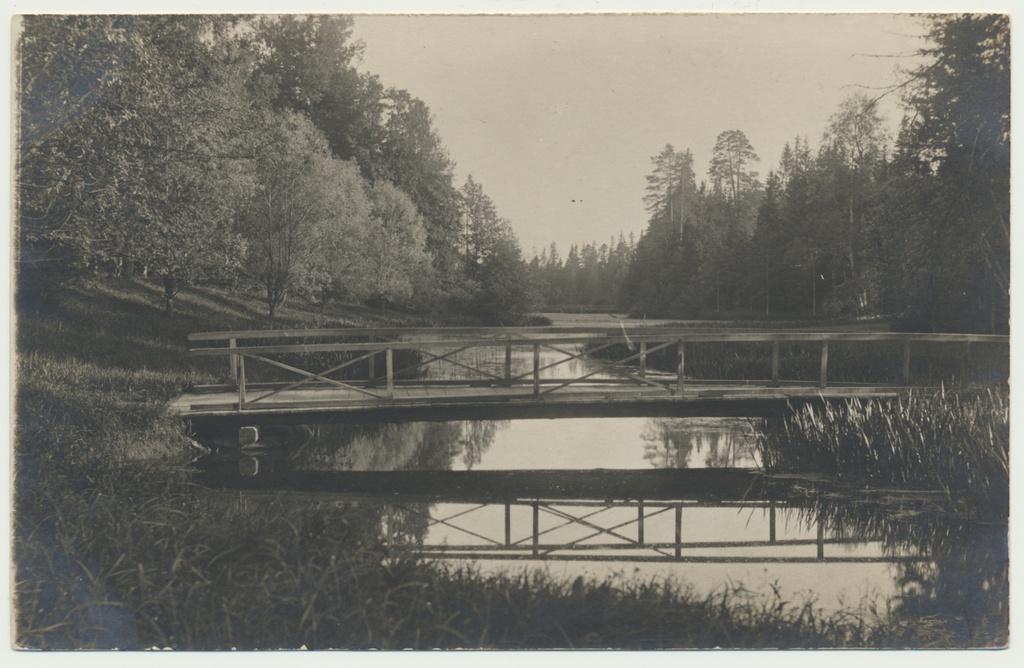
<point>614,355</point>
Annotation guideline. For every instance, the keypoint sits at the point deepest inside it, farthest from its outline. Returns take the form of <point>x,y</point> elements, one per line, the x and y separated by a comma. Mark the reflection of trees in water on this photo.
<point>427,446</point>
<point>966,587</point>
<point>477,438</point>
<point>392,447</point>
<point>962,591</point>
<point>672,442</point>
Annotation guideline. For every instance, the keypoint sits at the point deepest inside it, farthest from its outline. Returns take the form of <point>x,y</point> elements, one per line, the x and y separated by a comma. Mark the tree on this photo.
<point>768,241</point>
<point>307,63</point>
<point>396,251</point>
<point>854,151</point>
<point>671,189</point>
<point>960,135</point>
<point>729,170</point>
<point>138,166</point>
<point>339,265</point>
<point>299,188</point>
<point>492,259</point>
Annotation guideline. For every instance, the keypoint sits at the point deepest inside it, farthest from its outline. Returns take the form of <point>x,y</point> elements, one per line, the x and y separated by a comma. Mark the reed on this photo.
<point>955,442</point>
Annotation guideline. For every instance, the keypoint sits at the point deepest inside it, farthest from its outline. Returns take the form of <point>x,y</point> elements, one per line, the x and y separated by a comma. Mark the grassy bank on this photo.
<point>114,545</point>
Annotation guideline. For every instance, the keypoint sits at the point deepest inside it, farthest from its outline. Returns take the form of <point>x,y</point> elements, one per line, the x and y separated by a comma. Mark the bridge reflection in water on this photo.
<point>665,500</point>
<point>629,516</point>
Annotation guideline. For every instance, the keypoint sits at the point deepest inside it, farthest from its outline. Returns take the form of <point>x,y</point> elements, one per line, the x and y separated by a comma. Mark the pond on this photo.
<point>467,494</point>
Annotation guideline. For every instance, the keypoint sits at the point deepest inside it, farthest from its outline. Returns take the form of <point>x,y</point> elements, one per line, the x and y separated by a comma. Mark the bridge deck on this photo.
<point>420,398</point>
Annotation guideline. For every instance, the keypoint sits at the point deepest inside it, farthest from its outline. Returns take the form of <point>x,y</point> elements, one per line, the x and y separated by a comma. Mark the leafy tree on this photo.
<point>138,168</point>
<point>396,251</point>
<point>339,265</point>
<point>854,151</point>
<point>299,188</point>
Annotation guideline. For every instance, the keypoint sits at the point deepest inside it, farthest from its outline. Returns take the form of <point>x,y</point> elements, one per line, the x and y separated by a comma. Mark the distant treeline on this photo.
<point>244,152</point>
<point>914,228</point>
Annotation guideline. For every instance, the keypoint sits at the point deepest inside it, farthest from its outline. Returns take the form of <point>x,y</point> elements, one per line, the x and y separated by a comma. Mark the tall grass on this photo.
<point>954,442</point>
<point>150,561</point>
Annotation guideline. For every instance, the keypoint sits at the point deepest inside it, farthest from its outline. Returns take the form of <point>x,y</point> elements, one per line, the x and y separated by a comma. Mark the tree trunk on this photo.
<point>170,290</point>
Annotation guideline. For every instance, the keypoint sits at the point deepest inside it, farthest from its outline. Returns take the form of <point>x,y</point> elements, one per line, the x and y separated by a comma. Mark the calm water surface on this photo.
<point>965,568</point>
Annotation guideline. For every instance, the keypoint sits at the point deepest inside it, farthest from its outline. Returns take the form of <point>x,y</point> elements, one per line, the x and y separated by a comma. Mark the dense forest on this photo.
<point>913,228</point>
<point>249,153</point>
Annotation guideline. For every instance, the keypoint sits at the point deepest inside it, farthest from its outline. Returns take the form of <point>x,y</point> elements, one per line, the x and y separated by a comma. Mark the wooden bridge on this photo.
<point>451,373</point>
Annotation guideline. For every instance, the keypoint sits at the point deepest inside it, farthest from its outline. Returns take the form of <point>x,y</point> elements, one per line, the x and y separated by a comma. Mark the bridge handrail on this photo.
<point>609,335</point>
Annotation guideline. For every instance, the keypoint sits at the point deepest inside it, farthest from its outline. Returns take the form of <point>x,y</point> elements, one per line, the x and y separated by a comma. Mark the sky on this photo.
<point>558,117</point>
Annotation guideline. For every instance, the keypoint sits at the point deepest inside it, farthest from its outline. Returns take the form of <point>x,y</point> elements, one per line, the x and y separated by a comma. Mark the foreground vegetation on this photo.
<point>115,546</point>
<point>958,443</point>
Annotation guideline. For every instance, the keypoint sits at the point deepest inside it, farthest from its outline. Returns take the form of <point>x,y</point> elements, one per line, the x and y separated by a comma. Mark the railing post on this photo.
<point>906,362</point>
<point>821,538</point>
<point>536,369</point>
<point>233,361</point>
<point>771,521</point>
<point>241,381</point>
<point>824,363</point>
<point>640,522</point>
<point>536,528</point>
<point>389,360</point>
<point>775,362</point>
<point>643,359</point>
<point>508,525</point>
<point>679,531</point>
<point>680,365</point>
<point>964,362</point>
<point>371,373</point>
<point>508,364</point>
